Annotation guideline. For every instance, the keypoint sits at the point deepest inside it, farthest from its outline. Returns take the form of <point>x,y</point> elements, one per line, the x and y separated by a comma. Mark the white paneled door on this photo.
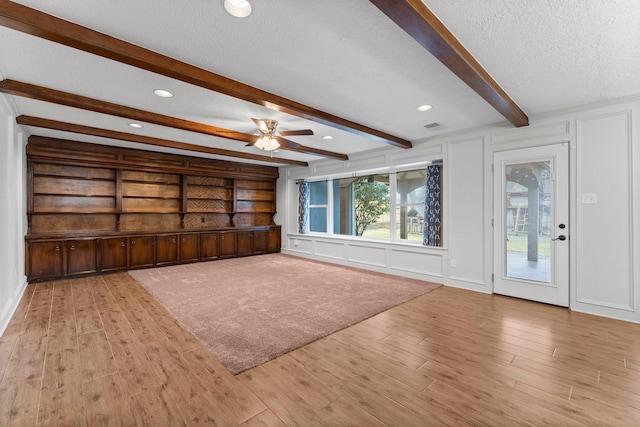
<point>531,228</point>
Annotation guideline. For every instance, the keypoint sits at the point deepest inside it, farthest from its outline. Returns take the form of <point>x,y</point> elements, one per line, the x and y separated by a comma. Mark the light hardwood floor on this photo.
<point>100,351</point>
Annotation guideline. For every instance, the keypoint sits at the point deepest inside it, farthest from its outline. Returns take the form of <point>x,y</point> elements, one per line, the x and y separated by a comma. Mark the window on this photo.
<point>363,206</point>
<point>400,206</point>
<point>410,197</point>
<point>318,206</point>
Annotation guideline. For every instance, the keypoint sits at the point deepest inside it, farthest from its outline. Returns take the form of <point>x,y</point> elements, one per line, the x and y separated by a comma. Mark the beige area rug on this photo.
<point>247,311</point>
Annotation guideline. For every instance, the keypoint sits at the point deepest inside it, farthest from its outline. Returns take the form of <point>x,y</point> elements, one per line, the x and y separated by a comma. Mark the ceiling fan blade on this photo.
<point>261,125</point>
<point>296,132</point>
<point>286,143</point>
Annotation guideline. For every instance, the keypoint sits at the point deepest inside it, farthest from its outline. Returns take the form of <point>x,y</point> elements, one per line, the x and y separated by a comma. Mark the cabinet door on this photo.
<point>209,246</point>
<point>45,260</point>
<point>141,251</point>
<point>189,247</point>
<point>81,256</point>
<point>113,253</point>
<point>260,239</point>
<point>166,249</point>
<point>274,240</point>
<point>228,244</point>
<point>245,243</point>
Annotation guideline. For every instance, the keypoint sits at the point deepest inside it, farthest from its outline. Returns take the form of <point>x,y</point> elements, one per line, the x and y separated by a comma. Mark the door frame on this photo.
<point>557,291</point>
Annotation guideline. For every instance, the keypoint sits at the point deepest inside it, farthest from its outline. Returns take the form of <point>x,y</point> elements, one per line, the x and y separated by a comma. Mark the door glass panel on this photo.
<point>528,221</point>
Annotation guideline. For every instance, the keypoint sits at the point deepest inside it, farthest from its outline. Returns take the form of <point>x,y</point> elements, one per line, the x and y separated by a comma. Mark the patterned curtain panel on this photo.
<point>303,206</point>
<point>433,207</point>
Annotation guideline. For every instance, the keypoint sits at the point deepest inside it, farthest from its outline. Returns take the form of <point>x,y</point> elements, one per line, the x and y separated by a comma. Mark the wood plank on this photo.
<point>241,402</point>
<point>343,412</point>
<point>264,419</point>
<point>150,409</point>
<point>19,403</point>
<point>96,358</point>
<point>86,312</point>
<point>62,400</point>
<point>105,397</point>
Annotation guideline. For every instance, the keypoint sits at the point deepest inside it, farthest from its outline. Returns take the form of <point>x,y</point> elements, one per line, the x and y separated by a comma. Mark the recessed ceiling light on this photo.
<point>238,8</point>
<point>424,107</point>
<point>163,93</point>
<point>327,137</point>
<point>135,125</point>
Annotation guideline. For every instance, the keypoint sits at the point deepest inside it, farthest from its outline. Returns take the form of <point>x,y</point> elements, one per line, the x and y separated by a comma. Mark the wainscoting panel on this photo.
<point>365,254</point>
<point>301,245</point>
<point>416,262</point>
<point>605,228</point>
<point>326,249</point>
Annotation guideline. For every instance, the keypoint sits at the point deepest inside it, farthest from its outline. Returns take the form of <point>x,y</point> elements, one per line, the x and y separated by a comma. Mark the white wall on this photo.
<point>604,238</point>
<point>12,213</point>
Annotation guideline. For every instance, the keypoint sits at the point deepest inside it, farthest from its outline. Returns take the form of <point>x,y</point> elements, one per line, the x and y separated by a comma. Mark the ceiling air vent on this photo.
<point>432,125</point>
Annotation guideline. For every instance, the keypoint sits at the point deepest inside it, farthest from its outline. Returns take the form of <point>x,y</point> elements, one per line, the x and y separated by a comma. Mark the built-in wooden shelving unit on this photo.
<point>87,191</point>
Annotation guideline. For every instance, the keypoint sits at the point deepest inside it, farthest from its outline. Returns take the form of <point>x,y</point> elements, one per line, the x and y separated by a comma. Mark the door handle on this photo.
<point>561,237</point>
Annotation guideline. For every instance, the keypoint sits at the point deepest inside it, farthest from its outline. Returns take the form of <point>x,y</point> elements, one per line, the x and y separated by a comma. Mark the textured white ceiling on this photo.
<point>342,57</point>
<point>551,54</point>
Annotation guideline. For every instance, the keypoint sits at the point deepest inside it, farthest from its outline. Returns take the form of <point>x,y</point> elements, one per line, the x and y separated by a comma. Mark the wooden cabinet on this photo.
<point>227,244</point>
<point>245,243</point>
<point>275,239</point>
<point>45,259</point>
<point>189,248</point>
<point>93,209</point>
<point>252,242</point>
<point>209,246</point>
<point>112,255</point>
<point>55,258</point>
<point>81,256</point>
<point>260,241</point>
<point>141,251</point>
<point>166,249</point>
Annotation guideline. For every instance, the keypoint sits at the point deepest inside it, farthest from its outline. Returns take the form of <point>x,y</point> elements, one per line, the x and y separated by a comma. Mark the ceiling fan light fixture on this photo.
<point>327,137</point>
<point>424,107</point>
<point>135,125</point>
<point>267,143</point>
<point>238,8</point>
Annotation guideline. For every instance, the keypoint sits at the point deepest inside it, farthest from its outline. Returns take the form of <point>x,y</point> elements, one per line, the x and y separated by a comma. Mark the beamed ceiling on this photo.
<point>356,71</point>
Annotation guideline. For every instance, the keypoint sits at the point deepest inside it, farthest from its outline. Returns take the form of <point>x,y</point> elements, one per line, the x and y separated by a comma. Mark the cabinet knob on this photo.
<point>215,238</point>
<point>133,242</point>
<point>221,237</point>
<point>122,244</point>
<point>173,240</point>
<point>73,247</point>
<point>183,240</point>
<point>57,248</point>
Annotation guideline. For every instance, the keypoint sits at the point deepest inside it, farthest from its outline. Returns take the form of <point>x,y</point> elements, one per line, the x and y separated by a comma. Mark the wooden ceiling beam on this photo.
<point>40,24</point>
<point>40,93</point>
<point>148,140</point>
<point>414,17</point>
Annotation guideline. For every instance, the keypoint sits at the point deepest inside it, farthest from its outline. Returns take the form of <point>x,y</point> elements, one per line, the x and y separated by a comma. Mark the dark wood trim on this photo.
<point>41,93</point>
<point>148,140</point>
<point>40,24</point>
<point>61,151</point>
<point>414,17</point>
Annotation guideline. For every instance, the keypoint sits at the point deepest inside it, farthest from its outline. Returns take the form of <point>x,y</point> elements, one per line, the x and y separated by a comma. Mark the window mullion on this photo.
<point>393,193</point>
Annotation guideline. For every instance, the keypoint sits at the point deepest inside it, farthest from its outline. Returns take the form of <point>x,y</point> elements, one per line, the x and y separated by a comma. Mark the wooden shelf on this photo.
<point>78,190</point>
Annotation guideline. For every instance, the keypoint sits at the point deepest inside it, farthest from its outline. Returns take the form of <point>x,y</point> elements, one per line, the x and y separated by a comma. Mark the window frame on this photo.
<point>393,223</point>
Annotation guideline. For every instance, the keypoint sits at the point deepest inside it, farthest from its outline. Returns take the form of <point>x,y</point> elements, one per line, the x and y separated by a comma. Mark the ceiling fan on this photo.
<point>271,140</point>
